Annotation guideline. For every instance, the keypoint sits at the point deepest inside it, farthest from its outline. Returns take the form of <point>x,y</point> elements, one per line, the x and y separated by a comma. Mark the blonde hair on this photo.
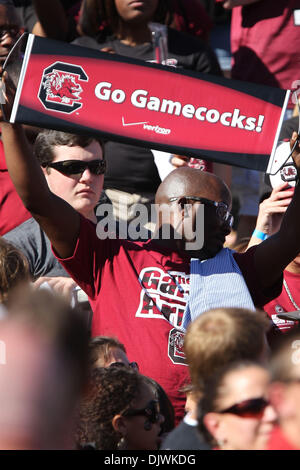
<point>220,336</point>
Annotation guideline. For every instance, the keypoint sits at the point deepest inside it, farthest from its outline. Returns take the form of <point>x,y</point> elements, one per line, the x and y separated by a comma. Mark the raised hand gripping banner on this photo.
<point>80,90</point>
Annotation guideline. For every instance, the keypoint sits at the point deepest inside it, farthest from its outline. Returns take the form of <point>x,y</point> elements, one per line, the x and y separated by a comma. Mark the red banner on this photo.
<point>76,89</point>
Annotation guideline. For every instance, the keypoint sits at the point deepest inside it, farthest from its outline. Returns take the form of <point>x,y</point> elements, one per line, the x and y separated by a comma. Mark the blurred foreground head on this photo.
<point>285,387</point>
<point>43,355</point>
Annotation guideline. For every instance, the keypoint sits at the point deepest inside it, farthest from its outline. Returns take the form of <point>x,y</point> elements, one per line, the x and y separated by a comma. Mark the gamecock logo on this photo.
<point>60,88</point>
<point>288,172</point>
<point>175,352</point>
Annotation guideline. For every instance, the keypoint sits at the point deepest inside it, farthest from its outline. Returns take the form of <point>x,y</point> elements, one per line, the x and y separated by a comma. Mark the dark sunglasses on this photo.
<point>253,408</point>
<point>133,365</point>
<point>220,207</point>
<point>151,411</point>
<point>76,167</point>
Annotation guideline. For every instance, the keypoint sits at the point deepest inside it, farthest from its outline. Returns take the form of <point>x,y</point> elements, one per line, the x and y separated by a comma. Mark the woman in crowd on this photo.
<point>105,351</point>
<point>119,411</point>
<point>235,413</point>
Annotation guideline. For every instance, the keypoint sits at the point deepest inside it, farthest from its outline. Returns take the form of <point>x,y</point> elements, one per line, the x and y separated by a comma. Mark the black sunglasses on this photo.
<point>151,411</point>
<point>76,167</point>
<point>133,365</point>
<point>253,408</point>
<point>220,207</point>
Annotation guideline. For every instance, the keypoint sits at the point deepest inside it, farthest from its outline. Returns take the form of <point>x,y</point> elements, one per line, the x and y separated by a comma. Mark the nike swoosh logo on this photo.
<point>132,123</point>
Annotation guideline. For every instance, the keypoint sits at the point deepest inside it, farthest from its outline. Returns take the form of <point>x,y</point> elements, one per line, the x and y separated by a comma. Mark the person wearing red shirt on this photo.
<point>12,210</point>
<point>138,290</point>
<point>260,32</point>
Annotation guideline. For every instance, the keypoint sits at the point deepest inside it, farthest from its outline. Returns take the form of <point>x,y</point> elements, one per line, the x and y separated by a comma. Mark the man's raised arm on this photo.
<point>55,216</point>
<point>275,253</point>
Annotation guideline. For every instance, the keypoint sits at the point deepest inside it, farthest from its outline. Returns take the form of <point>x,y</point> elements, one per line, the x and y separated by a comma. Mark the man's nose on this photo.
<point>86,175</point>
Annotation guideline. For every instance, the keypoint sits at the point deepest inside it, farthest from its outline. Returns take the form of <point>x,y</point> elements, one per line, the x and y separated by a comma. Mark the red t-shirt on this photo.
<point>136,291</point>
<point>12,210</point>
<point>278,441</point>
<point>265,43</point>
<point>283,303</point>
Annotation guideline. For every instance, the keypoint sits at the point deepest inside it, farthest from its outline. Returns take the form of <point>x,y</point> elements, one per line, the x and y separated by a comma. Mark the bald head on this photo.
<point>187,181</point>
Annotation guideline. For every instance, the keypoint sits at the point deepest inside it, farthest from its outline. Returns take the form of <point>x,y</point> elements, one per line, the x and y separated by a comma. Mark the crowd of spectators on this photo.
<point>156,343</point>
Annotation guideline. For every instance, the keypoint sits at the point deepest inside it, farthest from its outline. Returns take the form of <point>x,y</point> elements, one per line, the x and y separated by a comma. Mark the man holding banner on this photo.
<point>146,292</point>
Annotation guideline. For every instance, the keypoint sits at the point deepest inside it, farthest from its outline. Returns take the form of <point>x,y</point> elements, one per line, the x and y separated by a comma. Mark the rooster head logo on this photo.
<point>60,87</point>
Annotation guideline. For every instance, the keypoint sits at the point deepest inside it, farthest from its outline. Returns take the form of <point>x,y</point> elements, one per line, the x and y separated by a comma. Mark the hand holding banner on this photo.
<point>81,90</point>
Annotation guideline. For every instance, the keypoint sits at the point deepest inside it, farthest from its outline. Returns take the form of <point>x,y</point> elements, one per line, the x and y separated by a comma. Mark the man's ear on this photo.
<point>119,424</point>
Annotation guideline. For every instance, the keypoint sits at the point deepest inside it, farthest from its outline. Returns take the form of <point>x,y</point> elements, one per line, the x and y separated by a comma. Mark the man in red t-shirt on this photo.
<point>138,290</point>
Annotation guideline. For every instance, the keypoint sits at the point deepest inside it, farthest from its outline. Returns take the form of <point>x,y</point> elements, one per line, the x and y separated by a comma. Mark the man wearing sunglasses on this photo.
<point>74,169</point>
<point>139,290</point>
